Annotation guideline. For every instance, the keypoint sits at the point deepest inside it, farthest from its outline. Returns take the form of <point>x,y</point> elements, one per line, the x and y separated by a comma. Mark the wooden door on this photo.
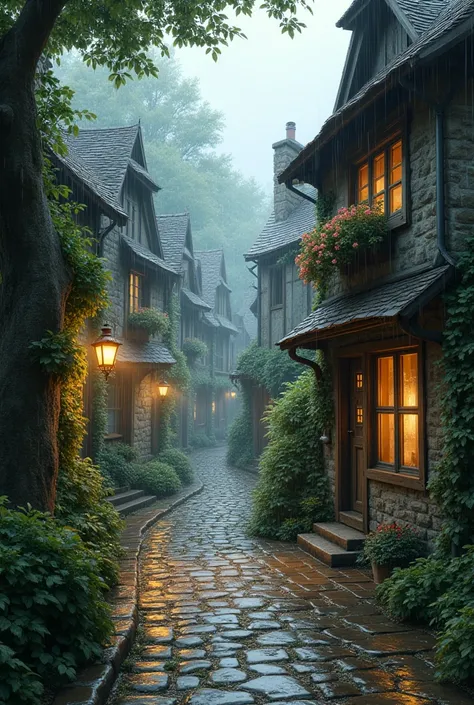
<point>356,423</point>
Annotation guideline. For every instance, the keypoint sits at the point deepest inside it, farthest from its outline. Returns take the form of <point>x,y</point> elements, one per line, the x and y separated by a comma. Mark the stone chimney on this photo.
<point>284,200</point>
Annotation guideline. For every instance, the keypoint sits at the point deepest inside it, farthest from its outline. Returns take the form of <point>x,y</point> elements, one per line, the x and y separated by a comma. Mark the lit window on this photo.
<point>359,380</point>
<point>135,292</point>
<point>397,395</point>
<point>380,180</point>
<point>359,415</point>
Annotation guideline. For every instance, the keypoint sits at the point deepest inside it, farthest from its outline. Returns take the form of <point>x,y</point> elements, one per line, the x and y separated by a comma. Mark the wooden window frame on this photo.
<point>400,217</point>
<point>273,275</point>
<point>143,299</point>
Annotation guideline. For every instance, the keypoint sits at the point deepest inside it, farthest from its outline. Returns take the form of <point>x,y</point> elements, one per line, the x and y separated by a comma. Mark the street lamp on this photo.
<point>163,388</point>
<point>233,394</point>
<point>106,349</point>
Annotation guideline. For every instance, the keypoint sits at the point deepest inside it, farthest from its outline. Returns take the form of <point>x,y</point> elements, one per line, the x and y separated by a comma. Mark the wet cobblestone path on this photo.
<point>230,620</point>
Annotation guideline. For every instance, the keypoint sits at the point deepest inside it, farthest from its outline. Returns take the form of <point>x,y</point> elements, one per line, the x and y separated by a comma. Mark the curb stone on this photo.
<point>94,684</point>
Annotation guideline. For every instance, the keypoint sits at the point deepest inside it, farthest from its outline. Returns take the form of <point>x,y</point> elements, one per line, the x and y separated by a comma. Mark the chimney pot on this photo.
<point>290,130</point>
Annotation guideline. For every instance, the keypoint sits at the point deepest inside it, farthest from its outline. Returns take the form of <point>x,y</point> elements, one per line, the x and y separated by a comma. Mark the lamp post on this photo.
<point>106,349</point>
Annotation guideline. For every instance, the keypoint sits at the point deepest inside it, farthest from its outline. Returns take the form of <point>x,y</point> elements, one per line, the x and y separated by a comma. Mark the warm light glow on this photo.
<point>386,434</point>
<point>385,396</point>
<point>213,407</point>
<point>233,394</point>
<point>409,440</point>
<point>163,389</point>
<point>195,412</point>
<point>106,349</point>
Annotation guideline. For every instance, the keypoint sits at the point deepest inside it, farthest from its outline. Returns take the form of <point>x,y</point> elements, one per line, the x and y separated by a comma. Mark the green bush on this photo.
<point>200,439</point>
<point>81,504</point>
<point>150,319</point>
<point>180,462</point>
<point>292,465</point>
<point>393,545</point>
<point>157,478</point>
<point>440,592</point>
<point>240,451</point>
<point>53,615</point>
<point>194,348</point>
<point>115,462</point>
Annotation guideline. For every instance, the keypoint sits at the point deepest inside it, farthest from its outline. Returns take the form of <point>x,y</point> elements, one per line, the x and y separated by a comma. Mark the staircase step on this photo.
<point>329,553</point>
<point>121,490</point>
<point>124,497</point>
<point>349,539</point>
<point>352,519</point>
<point>133,506</point>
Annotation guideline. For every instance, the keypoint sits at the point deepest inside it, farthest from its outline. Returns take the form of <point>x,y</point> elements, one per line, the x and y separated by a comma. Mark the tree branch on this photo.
<point>32,30</point>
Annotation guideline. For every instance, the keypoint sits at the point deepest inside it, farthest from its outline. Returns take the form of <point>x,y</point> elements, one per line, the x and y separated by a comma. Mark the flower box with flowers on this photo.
<point>339,242</point>
<point>147,321</point>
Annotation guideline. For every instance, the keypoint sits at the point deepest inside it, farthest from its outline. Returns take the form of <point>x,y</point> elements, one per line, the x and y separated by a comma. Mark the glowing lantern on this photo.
<point>106,349</point>
<point>233,394</point>
<point>163,388</point>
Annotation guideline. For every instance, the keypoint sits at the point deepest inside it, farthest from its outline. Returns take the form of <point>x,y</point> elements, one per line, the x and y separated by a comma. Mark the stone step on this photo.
<point>124,497</point>
<point>352,519</point>
<point>349,539</point>
<point>140,503</point>
<point>121,490</point>
<point>329,553</point>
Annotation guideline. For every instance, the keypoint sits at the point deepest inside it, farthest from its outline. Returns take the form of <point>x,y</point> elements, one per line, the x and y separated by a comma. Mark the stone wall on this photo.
<point>143,417</point>
<point>285,201</point>
<point>116,287</point>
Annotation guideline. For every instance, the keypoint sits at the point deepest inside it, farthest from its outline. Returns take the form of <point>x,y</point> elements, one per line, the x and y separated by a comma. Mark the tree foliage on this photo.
<point>181,133</point>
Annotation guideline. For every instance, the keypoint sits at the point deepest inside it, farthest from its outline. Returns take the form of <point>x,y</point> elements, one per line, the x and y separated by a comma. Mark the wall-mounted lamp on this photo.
<point>233,394</point>
<point>163,388</point>
<point>106,349</point>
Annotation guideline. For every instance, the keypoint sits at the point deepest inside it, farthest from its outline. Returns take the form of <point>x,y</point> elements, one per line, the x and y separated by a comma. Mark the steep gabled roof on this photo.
<point>173,228</point>
<point>110,152</point>
<point>145,255</point>
<point>415,15</point>
<point>454,22</point>
<point>211,271</point>
<point>278,234</point>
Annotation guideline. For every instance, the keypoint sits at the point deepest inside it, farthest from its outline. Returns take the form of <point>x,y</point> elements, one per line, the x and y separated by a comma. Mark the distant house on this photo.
<point>108,168</point>
<point>282,299</point>
<point>221,330</point>
<point>402,135</point>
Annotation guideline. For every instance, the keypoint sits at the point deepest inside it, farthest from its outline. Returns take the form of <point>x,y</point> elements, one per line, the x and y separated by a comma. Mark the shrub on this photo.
<point>240,452</point>
<point>200,439</point>
<point>150,319</point>
<point>115,462</point>
<point>157,478</point>
<point>194,348</point>
<point>81,504</point>
<point>180,462</point>
<point>292,465</point>
<point>53,615</point>
<point>393,545</point>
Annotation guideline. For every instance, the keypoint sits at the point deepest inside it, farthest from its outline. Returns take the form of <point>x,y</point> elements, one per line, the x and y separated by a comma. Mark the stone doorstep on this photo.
<point>94,684</point>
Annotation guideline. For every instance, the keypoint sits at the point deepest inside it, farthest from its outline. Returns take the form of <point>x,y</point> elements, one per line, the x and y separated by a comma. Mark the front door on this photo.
<point>356,422</point>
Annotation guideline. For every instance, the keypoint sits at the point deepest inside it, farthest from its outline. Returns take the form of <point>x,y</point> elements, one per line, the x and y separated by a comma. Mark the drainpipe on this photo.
<point>304,361</point>
<point>103,234</point>
<point>259,307</point>
<point>440,179</point>
<point>290,187</point>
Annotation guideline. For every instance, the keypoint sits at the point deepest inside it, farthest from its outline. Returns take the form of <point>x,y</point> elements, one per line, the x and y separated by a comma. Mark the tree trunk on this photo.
<point>33,291</point>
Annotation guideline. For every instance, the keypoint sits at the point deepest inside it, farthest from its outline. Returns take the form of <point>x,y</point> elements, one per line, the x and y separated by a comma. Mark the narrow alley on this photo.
<point>229,620</point>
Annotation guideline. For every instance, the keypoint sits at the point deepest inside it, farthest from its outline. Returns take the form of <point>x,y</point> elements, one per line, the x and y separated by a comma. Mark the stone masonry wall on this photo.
<point>285,200</point>
<point>116,287</point>
<point>143,417</point>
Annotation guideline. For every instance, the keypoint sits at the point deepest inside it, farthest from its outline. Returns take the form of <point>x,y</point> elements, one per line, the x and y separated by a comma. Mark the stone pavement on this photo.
<point>229,620</point>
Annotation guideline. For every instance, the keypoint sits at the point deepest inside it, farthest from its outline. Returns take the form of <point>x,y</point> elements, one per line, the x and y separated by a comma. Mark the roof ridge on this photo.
<point>109,129</point>
<point>171,215</point>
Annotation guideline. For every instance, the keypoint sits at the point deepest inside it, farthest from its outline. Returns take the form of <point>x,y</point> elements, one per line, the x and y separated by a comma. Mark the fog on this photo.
<point>262,82</point>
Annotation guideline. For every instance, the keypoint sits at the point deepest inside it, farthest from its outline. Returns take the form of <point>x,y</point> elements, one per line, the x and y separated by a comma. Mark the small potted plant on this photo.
<point>391,546</point>
<point>148,321</point>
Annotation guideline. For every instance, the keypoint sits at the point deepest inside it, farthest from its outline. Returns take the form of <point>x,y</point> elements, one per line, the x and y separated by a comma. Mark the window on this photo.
<point>133,227</point>
<point>219,354</point>
<point>380,180</point>
<point>276,286</point>
<point>221,304</point>
<point>114,407</point>
<point>397,392</point>
<point>135,292</point>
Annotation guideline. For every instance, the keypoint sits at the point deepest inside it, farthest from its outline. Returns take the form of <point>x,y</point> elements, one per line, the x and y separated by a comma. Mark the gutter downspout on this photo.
<point>103,234</point>
<point>304,361</point>
<point>290,187</point>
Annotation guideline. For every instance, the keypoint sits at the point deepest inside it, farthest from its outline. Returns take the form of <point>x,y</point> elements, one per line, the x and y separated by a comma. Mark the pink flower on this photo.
<point>356,244</point>
<point>334,261</point>
<point>336,234</point>
<point>337,247</point>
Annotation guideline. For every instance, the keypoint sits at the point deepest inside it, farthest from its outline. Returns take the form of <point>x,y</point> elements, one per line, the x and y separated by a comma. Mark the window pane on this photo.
<point>381,201</point>
<point>379,173</point>
<point>396,174</point>
<point>386,438</point>
<point>385,396</point>
<point>363,183</point>
<point>409,379</point>
<point>409,440</point>
<point>396,198</point>
<point>396,154</point>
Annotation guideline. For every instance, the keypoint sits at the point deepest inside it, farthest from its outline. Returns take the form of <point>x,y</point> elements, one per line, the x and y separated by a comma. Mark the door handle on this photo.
<point>350,432</point>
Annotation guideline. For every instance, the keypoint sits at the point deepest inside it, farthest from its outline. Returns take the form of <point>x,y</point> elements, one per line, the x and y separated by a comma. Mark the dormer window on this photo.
<point>133,227</point>
<point>381,180</point>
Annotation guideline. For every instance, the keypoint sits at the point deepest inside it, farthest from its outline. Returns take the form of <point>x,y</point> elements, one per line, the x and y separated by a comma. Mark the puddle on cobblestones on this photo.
<point>230,620</point>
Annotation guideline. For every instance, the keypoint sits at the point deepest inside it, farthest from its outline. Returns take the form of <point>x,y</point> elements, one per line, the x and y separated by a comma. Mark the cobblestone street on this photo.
<point>229,620</point>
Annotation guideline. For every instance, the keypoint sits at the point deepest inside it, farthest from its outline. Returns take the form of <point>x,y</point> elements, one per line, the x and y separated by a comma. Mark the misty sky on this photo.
<point>264,81</point>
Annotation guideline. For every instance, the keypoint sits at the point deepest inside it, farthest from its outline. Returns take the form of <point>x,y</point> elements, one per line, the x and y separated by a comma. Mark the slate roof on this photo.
<point>420,13</point>
<point>73,162</point>
<point>276,235</point>
<point>151,353</point>
<point>454,15</point>
<point>211,319</point>
<point>173,228</point>
<point>108,152</point>
<point>210,272</point>
<point>195,299</point>
<point>146,255</point>
<point>382,302</point>
<point>143,174</point>
<point>225,323</point>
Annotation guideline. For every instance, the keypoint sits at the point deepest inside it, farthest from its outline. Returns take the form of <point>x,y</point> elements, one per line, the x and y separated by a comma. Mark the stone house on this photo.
<point>401,135</point>
<point>113,162</point>
<point>217,333</point>
<point>282,299</point>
